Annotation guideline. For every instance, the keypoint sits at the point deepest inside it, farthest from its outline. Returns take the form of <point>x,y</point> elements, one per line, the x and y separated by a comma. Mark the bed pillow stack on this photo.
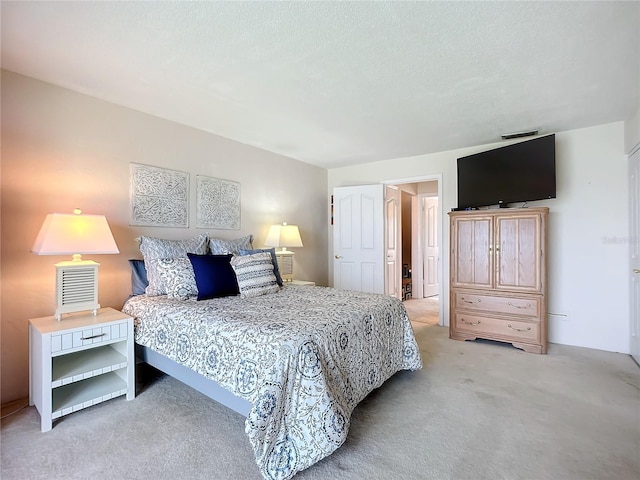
<point>205,268</point>
<point>155,249</point>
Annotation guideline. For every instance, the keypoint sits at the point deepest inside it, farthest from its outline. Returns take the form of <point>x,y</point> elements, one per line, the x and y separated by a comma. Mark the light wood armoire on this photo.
<point>498,276</point>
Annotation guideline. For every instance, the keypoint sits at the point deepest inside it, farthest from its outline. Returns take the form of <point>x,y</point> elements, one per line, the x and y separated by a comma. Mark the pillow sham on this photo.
<point>218,246</point>
<point>153,249</point>
<point>178,276</point>
<point>139,280</point>
<point>255,274</point>
<point>214,276</point>
<point>274,260</point>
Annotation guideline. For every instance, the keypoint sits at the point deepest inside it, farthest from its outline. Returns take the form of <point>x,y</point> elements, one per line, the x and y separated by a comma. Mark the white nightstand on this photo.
<point>79,361</point>
<point>301,282</point>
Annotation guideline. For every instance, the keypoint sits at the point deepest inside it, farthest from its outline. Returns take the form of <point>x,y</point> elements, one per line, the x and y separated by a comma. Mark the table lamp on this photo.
<point>284,236</point>
<point>75,234</point>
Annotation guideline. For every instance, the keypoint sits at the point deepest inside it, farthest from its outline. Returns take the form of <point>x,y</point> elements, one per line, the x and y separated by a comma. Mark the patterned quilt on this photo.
<point>304,357</point>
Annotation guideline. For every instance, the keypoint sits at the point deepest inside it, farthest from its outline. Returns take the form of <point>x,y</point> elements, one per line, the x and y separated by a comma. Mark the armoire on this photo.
<point>498,276</point>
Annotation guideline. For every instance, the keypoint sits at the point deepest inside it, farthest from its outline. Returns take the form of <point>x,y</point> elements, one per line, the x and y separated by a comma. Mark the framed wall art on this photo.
<point>159,197</point>
<point>217,203</point>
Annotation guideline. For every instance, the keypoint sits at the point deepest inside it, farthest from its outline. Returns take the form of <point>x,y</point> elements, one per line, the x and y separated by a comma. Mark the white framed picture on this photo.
<point>217,203</point>
<point>159,196</point>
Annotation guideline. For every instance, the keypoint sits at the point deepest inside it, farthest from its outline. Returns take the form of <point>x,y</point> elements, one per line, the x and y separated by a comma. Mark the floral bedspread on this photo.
<point>303,357</point>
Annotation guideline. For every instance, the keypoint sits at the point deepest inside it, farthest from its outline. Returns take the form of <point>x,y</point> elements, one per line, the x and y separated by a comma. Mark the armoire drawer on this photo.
<point>498,328</point>
<point>525,306</point>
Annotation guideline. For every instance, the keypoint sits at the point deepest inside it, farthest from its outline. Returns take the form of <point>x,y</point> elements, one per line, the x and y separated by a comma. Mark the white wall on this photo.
<point>588,225</point>
<point>632,131</point>
<point>62,150</point>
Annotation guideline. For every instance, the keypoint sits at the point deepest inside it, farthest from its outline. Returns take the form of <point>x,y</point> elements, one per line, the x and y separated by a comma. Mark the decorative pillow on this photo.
<point>154,249</point>
<point>274,260</point>
<point>255,274</point>
<point>214,276</point>
<point>138,277</point>
<point>178,276</point>
<point>222,247</point>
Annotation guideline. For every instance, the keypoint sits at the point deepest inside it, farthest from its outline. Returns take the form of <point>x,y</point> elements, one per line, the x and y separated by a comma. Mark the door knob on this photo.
<point>338,256</point>
<point>636,270</point>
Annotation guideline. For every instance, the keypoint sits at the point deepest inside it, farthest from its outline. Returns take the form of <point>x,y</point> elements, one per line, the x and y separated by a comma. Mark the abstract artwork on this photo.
<point>218,203</point>
<point>159,197</point>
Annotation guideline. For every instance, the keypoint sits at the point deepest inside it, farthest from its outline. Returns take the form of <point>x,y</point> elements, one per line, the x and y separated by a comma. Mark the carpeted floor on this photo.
<point>423,310</point>
<point>478,410</point>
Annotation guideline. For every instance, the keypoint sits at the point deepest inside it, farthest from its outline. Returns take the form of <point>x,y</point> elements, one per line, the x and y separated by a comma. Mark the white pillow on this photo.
<point>219,246</point>
<point>154,249</point>
<point>255,274</point>
<point>178,276</point>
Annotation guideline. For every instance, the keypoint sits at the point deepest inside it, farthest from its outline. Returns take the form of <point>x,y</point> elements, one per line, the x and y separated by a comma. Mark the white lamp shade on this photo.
<point>68,234</point>
<point>283,236</point>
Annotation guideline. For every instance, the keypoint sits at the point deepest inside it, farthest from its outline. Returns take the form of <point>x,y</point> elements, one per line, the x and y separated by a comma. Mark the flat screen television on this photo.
<point>520,172</point>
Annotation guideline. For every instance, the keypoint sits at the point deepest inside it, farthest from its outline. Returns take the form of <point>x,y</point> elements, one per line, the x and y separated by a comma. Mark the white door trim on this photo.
<point>441,228</point>
<point>634,255</point>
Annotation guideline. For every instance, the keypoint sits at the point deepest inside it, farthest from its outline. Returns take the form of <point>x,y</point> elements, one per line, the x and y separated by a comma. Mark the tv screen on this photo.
<point>521,172</point>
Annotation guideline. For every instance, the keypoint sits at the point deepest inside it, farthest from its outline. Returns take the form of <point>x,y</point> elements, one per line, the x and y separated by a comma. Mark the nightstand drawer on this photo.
<point>70,340</point>
<point>526,306</point>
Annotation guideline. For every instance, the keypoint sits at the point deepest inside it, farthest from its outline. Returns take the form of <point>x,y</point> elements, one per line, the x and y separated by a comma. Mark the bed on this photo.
<point>295,362</point>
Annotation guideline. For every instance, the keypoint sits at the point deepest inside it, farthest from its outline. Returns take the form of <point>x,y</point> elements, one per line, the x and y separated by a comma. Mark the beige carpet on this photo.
<point>423,310</point>
<point>477,410</point>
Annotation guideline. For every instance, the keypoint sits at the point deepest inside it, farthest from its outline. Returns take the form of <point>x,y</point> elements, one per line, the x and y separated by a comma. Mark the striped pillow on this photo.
<point>255,274</point>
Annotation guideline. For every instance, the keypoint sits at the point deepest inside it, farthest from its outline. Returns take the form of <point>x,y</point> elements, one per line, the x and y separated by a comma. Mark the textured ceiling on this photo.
<point>341,83</point>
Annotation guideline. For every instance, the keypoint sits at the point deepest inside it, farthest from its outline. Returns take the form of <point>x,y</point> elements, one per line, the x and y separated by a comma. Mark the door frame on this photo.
<point>634,255</point>
<point>437,177</point>
<point>392,198</point>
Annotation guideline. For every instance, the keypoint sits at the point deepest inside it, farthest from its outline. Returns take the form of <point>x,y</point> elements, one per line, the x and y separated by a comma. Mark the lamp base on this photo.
<point>76,287</point>
<point>285,264</point>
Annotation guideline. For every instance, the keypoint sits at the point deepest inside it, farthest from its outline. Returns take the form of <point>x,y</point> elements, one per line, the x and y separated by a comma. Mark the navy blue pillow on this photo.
<point>139,280</point>
<point>214,276</point>
<point>274,260</point>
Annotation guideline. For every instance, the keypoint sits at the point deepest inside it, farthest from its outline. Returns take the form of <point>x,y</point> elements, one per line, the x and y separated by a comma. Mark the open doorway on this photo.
<point>420,238</point>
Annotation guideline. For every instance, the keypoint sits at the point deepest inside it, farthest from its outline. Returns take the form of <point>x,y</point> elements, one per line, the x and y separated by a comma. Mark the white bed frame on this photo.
<point>204,385</point>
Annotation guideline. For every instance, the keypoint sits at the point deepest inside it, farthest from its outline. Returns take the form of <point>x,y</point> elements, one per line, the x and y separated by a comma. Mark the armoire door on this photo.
<point>518,252</point>
<point>471,244</point>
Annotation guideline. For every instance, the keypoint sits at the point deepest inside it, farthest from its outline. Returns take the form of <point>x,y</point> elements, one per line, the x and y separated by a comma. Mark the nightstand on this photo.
<point>302,282</point>
<point>79,361</point>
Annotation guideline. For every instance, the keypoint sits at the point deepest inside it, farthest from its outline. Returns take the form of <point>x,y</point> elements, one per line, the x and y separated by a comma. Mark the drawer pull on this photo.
<point>93,336</point>
<point>464,300</point>
<point>519,329</point>
<point>471,323</point>
<point>526,307</point>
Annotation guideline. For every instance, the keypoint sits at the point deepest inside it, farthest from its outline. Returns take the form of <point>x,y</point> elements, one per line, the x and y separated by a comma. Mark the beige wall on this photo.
<point>62,150</point>
<point>588,230</point>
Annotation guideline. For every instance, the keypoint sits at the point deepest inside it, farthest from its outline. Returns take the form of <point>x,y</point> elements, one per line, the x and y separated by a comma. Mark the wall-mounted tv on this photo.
<point>520,172</point>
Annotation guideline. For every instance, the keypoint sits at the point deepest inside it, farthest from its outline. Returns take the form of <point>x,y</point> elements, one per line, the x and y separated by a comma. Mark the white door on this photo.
<point>358,238</point>
<point>634,240</point>
<point>430,255</point>
<point>393,245</point>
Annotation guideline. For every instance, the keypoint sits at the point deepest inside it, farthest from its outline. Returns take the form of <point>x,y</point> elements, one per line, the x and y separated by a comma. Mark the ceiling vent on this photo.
<point>529,133</point>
